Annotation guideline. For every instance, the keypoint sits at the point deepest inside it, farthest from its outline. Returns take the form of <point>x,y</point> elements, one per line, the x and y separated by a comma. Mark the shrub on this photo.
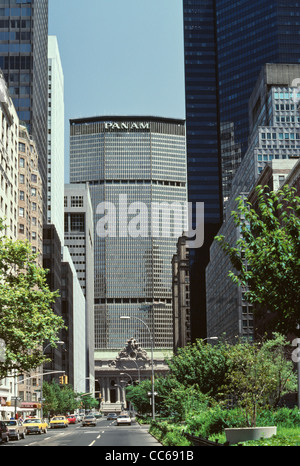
<point>283,416</point>
<point>169,434</point>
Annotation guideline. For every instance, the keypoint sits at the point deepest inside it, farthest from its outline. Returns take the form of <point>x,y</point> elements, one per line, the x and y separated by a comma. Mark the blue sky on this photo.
<point>120,57</point>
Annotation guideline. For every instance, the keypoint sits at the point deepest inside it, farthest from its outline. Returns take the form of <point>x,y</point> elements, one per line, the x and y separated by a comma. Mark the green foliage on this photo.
<point>168,434</point>
<point>26,317</point>
<point>59,399</point>
<point>50,404</point>
<point>286,437</point>
<point>88,402</point>
<point>259,375</point>
<point>250,376</point>
<point>178,400</point>
<point>202,365</point>
<point>213,421</point>
<point>266,258</point>
<point>138,396</point>
<point>280,417</point>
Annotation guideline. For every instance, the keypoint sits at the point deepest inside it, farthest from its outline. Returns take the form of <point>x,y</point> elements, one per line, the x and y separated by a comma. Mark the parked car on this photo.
<point>4,434</point>
<point>59,421</point>
<point>89,420</point>
<point>72,419</point>
<point>123,419</point>
<point>111,416</point>
<point>35,426</point>
<point>16,429</point>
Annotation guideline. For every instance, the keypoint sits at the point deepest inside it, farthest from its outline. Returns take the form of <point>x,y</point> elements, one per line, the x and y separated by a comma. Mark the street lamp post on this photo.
<point>128,375</point>
<point>138,369</point>
<point>152,360</point>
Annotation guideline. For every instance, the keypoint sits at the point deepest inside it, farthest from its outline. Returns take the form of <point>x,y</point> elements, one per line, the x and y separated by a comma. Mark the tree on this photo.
<point>266,258</point>
<point>50,403</point>
<point>200,364</point>
<point>258,376</point>
<point>59,399</point>
<point>26,317</point>
<point>88,402</point>
<point>138,396</point>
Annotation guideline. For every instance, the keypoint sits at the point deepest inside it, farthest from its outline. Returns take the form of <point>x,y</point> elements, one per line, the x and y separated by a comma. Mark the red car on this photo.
<point>72,419</point>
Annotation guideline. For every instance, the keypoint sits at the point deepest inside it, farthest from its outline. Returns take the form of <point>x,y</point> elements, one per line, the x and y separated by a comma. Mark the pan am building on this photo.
<point>136,168</point>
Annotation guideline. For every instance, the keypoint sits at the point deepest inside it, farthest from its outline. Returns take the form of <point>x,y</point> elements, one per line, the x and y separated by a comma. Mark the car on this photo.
<point>89,420</point>
<point>35,426</point>
<point>4,434</point>
<point>111,416</point>
<point>123,419</point>
<point>59,421</point>
<point>97,415</point>
<point>72,419</point>
<point>16,429</point>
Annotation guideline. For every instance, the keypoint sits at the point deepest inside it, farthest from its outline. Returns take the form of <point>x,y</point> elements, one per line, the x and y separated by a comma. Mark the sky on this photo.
<point>120,57</point>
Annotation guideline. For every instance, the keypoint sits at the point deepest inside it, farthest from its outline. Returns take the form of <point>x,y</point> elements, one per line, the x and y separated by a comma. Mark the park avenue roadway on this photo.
<point>106,433</point>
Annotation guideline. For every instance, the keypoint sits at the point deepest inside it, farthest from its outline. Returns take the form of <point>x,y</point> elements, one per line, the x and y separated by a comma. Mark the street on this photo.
<point>105,434</point>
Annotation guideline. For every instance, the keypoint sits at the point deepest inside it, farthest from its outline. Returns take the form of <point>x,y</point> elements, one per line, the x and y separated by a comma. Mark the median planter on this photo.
<point>243,434</point>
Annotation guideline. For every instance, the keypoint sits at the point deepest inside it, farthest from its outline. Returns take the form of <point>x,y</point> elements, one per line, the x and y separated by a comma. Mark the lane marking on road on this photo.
<point>99,436</point>
<point>91,444</point>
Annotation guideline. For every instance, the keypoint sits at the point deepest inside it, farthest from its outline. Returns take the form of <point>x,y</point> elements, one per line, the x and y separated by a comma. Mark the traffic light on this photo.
<point>65,377</point>
<point>61,380</point>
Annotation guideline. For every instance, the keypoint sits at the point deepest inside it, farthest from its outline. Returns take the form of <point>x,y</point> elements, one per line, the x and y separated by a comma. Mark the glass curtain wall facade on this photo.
<point>226,43</point>
<point>23,59</point>
<point>249,35</point>
<point>203,140</point>
<point>131,164</point>
<point>277,138</point>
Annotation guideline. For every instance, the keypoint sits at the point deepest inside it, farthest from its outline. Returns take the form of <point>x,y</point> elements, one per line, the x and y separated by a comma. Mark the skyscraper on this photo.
<point>23,59</point>
<point>275,138</point>
<point>79,239</point>
<point>203,140</point>
<point>56,148</point>
<point>131,164</point>
<point>226,44</point>
<point>249,35</point>
<point>9,133</point>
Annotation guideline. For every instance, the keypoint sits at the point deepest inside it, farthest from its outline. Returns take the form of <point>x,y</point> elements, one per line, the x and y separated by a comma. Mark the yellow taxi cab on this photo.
<point>59,421</point>
<point>35,426</point>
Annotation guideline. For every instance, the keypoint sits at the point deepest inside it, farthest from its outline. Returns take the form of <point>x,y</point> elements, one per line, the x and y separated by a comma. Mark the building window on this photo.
<point>22,147</point>
<point>77,223</point>
<point>76,201</point>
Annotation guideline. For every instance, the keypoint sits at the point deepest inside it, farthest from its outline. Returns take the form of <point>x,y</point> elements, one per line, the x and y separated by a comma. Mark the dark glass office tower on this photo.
<point>250,34</point>
<point>24,61</point>
<point>203,140</point>
<point>226,44</point>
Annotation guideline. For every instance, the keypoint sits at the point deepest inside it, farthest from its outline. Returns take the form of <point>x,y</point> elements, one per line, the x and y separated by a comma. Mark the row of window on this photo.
<point>34,178</point>
<point>281,136</point>
<point>15,11</point>
<point>287,95</point>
